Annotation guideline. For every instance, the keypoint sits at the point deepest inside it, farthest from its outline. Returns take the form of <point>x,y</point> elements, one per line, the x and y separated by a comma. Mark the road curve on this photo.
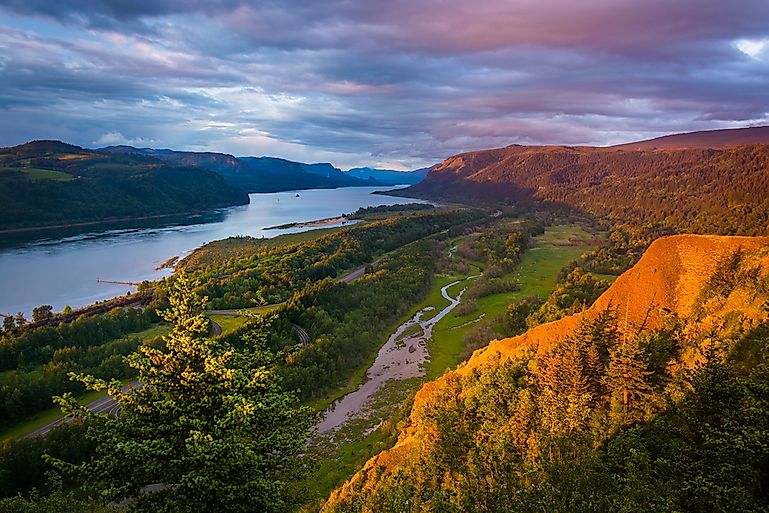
<point>101,405</point>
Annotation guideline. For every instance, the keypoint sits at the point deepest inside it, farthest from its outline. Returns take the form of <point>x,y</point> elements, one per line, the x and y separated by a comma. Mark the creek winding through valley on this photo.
<point>402,357</point>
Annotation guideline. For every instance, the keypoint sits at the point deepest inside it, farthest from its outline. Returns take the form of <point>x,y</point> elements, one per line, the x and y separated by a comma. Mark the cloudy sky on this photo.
<point>396,83</point>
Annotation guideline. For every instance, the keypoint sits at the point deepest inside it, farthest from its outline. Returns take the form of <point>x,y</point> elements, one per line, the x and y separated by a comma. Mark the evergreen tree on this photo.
<point>211,429</point>
<point>628,379</point>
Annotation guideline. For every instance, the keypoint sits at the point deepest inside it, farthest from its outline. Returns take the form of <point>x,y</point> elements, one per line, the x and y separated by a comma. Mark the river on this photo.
<point>63,270</point>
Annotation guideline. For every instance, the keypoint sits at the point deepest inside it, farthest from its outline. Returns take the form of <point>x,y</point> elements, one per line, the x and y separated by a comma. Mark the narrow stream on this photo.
<point>402,357</point>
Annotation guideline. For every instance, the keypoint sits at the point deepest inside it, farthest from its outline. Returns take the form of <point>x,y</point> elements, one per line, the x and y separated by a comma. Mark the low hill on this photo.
<point>723,191</point>
<point>389,176</point>
<point>254,174</point>
<point>50,183</point>
<point>527,424</point>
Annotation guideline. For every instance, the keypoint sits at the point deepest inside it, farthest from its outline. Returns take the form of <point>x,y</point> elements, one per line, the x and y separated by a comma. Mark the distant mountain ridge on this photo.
<point>696,189</point>
<point>256,174</point>
<point>390,176</point>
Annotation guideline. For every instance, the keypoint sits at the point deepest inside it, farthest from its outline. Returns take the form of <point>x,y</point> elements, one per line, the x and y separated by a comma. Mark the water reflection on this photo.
<point>61,267</point>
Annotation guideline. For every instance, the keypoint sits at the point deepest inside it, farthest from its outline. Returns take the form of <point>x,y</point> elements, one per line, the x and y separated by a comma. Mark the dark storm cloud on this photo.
<point>402,81</point>
<point>113,13</point>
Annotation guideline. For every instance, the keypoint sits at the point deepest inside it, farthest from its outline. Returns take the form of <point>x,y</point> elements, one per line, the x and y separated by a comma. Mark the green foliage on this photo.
<point>37,362</point>
<point>688,190</point>
<point>275,273</point>
<point>42,312</point>
<point>22,467</point>
<point>484,286</point>
<point>536,434</point>
<point>347,322</point>
<point>58,501</point>
<point>501,247</point>
<point>388,209</point>
<point>514,320</point>
<point>211,426</point>
<point>50,183</point>
<point>577,291</point>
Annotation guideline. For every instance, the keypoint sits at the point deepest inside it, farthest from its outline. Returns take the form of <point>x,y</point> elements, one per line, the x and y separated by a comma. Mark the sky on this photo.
<point>395,84</point>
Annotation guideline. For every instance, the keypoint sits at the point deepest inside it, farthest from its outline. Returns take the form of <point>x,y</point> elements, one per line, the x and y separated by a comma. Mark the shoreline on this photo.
<point>317,223</point>
<point>106,220</point>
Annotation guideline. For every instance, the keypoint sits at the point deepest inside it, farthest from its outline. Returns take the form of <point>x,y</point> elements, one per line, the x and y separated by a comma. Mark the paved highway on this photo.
<point>101,405</point>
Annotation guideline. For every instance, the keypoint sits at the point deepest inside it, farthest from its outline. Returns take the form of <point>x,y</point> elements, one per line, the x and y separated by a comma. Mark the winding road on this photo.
<point>101,405</point>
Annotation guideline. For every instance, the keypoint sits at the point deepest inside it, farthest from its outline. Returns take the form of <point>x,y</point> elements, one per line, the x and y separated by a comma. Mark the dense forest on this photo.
<point>244,272</point>
<point>589,431</point>
<point>52,183</point>
<point>690,190</point>
<point>35,363</point>
<point>577,426</point>
<point>346,321</point>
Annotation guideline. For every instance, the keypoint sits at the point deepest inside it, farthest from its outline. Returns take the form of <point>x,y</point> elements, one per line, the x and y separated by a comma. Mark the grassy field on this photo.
<point>156,330</point>
<point>35,173</point>
<point>229,323</point>
<point>536,275</point>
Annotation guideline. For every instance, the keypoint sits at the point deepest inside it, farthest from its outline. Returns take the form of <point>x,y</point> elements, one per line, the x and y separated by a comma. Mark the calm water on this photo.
<point>63,271</point>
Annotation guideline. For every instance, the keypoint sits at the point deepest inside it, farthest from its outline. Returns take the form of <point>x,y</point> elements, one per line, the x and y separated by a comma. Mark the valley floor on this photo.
<point>364,421</point>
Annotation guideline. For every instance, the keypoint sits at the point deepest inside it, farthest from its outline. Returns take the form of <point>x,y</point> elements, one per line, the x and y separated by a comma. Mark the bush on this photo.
<point>466,308</point>
<point>477,338</point>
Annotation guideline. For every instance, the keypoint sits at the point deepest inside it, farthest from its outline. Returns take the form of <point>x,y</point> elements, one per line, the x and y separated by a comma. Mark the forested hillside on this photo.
<point>653,399</point>
<point>691,190</point>
<point>52,183</point>
<point>253,174</point>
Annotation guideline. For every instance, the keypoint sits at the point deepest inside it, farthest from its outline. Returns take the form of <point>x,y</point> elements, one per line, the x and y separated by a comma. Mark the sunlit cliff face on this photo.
<point>393,84</point>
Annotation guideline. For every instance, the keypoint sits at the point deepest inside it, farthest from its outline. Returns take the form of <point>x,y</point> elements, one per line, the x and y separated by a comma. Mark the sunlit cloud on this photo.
<point>755,48</point>
<point>116,138</point>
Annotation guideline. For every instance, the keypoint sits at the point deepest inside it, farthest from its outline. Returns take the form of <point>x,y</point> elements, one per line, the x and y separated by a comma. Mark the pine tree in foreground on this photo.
<point>209,430</point>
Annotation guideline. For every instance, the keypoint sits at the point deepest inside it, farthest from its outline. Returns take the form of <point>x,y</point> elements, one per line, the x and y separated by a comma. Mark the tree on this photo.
<point>211,427</point>
<point>627,378</point>
<point>42,312</point>
<point>9,323</point>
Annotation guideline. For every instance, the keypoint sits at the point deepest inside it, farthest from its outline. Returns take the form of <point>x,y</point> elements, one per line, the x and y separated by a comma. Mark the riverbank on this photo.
<point>318,223</point>
<point>46,267</point>
<point>106,220</point>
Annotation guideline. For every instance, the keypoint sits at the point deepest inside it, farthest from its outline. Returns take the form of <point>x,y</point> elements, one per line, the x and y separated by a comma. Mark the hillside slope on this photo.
<point>695,190</point>
<point>710,287</point>
<point>714,139</point>
<point>52,183</point>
